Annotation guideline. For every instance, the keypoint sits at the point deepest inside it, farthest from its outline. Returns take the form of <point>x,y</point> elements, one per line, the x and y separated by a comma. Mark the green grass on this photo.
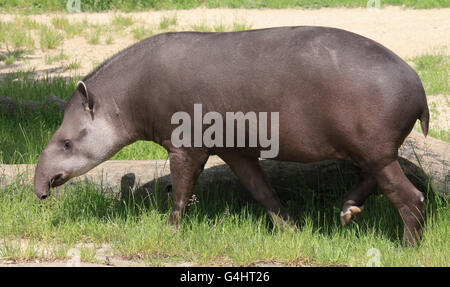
<point>93,37</point>
<point>167,21</point>
<point>122,21</point>
<point>141,32</point>
<point>241,26</point>
<point>9,60</point>
<point>50,38</point>
<point>220,228</point>
<point>22,137</point>
<point>10,57</point>
<point>440,134</point>
<point>32,6</point>
<point>220,28</point>
<point>76,29</point>
<point>236,26</point>
<point>15,36</point>
<point>60,23</point>
<point>26,23</point>
<point>51,59</point>
<point>109,39</point>
<point>73,65</point>
<point>434,72</point>
<point>201,28</point>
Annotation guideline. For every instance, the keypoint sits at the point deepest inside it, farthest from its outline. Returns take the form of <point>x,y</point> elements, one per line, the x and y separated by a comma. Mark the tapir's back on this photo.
<point>334,90</point>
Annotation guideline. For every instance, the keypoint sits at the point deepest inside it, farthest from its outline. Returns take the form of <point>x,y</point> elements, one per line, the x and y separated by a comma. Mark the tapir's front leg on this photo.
<point>250,173</point>
<point>186,164</point>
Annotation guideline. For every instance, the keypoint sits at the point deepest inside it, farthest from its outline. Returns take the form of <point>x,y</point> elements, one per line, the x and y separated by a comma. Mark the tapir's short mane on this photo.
<point>113,59</point>
<point>146,44</point>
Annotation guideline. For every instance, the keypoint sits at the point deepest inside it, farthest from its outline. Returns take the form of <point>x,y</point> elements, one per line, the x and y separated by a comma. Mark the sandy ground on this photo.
<point>407,32</point>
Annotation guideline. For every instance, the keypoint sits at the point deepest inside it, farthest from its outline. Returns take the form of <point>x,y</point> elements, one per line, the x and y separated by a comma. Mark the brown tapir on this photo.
<point>338,96</point>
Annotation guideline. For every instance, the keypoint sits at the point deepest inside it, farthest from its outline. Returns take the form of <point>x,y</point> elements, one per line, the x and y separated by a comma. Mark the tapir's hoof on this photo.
<point>350,213</point>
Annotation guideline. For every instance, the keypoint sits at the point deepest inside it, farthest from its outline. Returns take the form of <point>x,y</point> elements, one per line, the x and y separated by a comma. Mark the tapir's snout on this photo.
<point>42,185</point>
<point>47,175</point>
<point>42,178</point>
<point>42,190</point>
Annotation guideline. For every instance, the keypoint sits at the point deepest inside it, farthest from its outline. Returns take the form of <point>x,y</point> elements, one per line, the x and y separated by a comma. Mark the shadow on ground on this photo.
<point>309,191</point>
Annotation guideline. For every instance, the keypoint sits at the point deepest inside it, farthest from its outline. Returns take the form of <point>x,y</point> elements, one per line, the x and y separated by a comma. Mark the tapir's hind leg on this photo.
<point>406,198</point>
<point>252,176</point>
<point>185,167</point>
<point>352,204</point>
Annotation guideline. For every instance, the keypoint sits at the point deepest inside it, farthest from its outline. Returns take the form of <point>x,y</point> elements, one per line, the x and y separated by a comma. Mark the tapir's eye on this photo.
<point>67,144</point>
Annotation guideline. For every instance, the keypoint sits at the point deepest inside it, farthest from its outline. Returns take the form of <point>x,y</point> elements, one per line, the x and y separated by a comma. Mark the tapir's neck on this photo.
<point>121,83</point>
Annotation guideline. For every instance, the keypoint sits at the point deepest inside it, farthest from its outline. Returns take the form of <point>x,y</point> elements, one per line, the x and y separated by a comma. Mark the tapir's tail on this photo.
<point>425,118</point>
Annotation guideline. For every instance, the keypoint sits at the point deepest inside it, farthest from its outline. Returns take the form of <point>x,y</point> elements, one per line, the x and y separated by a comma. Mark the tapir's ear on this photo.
<point>88,101</point>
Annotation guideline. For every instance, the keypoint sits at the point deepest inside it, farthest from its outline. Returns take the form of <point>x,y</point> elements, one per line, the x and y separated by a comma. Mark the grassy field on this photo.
<point>219,229</point>
<point>32,6</point>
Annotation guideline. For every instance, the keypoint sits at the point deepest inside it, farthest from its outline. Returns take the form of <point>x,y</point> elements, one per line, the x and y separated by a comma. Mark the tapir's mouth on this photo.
<point>58,180</point>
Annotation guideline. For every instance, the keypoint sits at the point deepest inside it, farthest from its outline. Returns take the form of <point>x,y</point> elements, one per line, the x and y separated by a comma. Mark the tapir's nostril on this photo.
<point>44,196</point>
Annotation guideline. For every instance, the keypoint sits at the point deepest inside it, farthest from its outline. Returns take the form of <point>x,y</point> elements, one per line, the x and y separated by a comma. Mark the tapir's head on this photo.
<point>86,137</point>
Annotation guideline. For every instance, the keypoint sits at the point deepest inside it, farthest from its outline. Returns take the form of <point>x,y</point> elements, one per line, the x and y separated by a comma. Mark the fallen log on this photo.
<point>13,106</point>
<point>424,161</point>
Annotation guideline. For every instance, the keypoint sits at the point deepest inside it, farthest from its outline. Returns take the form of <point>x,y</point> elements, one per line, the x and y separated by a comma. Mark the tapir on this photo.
<point>338,95</point>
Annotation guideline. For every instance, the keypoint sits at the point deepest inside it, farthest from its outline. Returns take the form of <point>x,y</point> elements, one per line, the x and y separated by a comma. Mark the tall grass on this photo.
<point>141,32</point>
<point>24,135</point>
<point>50,38</point>
<point>122,21</point>
<point>167,21</point>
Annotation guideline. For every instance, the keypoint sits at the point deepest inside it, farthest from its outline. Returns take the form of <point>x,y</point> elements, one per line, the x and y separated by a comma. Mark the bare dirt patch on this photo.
<point>407,32</point>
